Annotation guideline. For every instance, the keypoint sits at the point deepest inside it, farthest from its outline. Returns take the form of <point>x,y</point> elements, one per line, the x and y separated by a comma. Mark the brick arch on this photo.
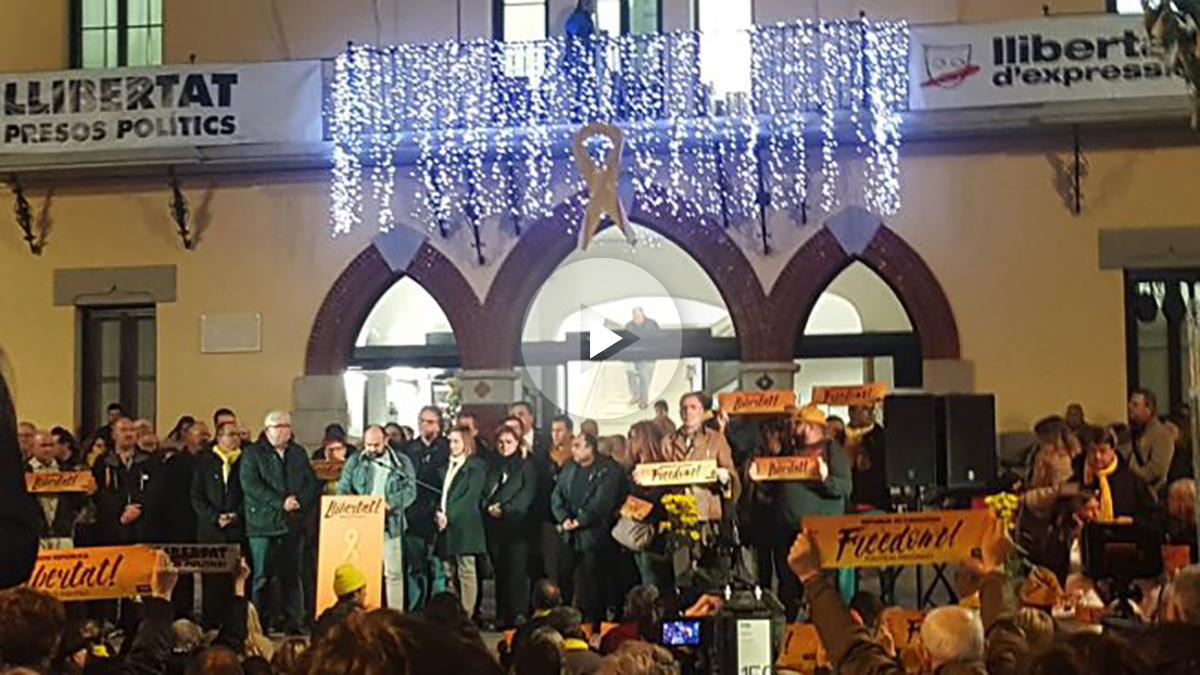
<point>545,243</point>
<point>360,286</point>
<point>822,258</point>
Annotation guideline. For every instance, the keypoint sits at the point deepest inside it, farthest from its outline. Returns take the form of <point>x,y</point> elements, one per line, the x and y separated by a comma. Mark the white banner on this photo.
<point>169,106</point>
<point>1038,61</point>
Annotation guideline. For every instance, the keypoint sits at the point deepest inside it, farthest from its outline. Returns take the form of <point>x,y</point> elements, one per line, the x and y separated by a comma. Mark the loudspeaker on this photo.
<point>910,432</point>
<point>968,455</point>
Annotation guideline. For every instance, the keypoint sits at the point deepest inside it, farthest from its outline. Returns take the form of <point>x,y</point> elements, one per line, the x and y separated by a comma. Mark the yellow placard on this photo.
<point>1175,557</point>
<point>802,649</point>
<point>351,532</point>
<point>757,402</point>
<point>765,469</point>
<point>659,474</point>
<point>855,394</point>
<point>637,509</point>
<point>95,573</point>
<point>60,481</point>
<point>882,540</point>
<point>904,624</point>
<point>327,470</point>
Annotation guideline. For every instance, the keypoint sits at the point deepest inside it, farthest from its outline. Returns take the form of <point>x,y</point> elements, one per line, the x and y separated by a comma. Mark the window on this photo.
<point>118,350</point>
<point>518,20</point>
<point>633,17</point>
<point>1125,6</point>
<point>725,44</point>
<point>116,33</point>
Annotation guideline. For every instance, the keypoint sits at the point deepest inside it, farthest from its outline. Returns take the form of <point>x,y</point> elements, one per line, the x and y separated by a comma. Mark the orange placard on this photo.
<point>60,481</point>
<point>904,625</point>
<point>855,394</point>
<point>802,649</point>
<point>766,469</point>
<point>351,532</point>
<point>658,474</point>
<point>637,509</point>
<point>757,402</point>
<point>96,573</point>
<point>883,540</point>
<point>327,470</point>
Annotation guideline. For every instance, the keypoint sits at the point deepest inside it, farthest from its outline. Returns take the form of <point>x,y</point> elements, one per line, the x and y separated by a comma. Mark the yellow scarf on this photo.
<point>1106,500</point>
<point>575,645</point>
<point>227,460</point>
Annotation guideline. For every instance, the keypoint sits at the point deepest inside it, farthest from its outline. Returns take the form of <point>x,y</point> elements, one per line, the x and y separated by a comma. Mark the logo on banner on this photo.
<point>948,66</point>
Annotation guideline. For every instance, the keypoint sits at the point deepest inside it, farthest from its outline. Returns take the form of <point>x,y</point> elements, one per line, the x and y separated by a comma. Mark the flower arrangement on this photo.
<point>681,528</point>
<point>1004,506</point>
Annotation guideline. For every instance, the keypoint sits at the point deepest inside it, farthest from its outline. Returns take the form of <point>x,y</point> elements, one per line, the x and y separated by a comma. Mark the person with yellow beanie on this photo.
<point>350,587</point>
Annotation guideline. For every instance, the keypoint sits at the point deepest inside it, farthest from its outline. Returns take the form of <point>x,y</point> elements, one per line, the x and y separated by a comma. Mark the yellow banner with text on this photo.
<point>856,394</point>
<point>884,540</point>
<point>95,573</point>
<point>60,481</point>
<point>757,402</point>
<point>660,474</point>
<point>351,532</point>
<point>768,469</point>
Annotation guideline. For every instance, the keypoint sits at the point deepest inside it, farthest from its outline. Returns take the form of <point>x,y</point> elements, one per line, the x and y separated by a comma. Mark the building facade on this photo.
<point>1009,284</point>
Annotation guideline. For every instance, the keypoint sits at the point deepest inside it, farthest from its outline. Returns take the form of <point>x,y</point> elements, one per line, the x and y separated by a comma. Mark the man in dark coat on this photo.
<point>216,495</point>
<point>1123,493</point>
<point>429,454</point>
<point>585,503</point>
<point>18,510</point>
<point>130,490</point>
<point>279,487</point>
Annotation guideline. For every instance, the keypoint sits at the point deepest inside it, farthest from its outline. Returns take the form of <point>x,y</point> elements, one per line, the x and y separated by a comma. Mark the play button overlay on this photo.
<point>602,343</point>
<point>602,340</point>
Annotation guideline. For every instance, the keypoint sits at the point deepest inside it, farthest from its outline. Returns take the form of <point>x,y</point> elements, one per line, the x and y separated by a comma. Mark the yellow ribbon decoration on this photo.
<point>351,540</point>
<point>601,181</point>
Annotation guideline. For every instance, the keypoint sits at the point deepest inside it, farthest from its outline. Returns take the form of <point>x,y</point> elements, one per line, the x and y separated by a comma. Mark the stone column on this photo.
<point>317,400</point>
<point>761,376</point>
<point>487,395</point>
<point>376,399</point>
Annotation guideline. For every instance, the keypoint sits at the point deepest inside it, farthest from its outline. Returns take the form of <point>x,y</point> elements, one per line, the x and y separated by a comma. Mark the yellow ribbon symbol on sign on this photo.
<point>351,546</point>
<point>601,181</point>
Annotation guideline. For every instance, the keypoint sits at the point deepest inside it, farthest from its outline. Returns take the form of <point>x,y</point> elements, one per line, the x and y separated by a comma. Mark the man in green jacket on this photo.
<point>279,487</point>
<point>383,471</point>
<point>797,499</point>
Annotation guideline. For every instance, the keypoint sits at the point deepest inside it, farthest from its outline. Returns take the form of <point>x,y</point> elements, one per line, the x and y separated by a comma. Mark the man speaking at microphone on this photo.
<point>381,471</point>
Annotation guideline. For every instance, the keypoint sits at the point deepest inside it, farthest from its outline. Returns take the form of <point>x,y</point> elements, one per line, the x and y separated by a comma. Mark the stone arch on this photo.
<point>855,234</point>
<point>364,281</point>
<point>545,243</point>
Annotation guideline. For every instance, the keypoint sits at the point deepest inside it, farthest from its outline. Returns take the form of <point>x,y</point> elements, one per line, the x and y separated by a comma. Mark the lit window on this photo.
<point>522,20</point>
<point>634,17</point>
<point>116,33</point>
<point>725,44</point>
<point>1126,6</point>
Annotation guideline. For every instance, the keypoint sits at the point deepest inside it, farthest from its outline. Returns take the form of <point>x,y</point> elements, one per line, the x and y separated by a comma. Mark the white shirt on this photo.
<point>49,503</point>
<point>529,441</point>
<point>456,463</point>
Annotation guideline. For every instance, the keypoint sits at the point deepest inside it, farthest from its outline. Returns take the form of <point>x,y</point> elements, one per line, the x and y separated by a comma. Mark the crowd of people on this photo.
<point>543,514</point>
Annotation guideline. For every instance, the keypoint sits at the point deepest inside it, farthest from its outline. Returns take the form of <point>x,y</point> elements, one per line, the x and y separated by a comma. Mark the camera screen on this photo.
<point>681,633</point>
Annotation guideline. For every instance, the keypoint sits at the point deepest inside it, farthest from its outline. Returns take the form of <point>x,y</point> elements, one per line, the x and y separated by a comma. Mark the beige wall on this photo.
<point>1041,322</point>
<point>266,249</point>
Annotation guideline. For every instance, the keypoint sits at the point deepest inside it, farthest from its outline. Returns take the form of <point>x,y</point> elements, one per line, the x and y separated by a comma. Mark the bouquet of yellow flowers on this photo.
<point>681,528</point>
<point>1004,506</point>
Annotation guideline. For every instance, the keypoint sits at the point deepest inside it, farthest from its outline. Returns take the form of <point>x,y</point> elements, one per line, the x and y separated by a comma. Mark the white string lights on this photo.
<point>484,123</point>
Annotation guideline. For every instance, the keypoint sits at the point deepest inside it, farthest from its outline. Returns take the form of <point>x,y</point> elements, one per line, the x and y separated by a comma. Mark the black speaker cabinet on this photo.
<point>910,424</point>
<point>947,441</point>
<point>969,457</point>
